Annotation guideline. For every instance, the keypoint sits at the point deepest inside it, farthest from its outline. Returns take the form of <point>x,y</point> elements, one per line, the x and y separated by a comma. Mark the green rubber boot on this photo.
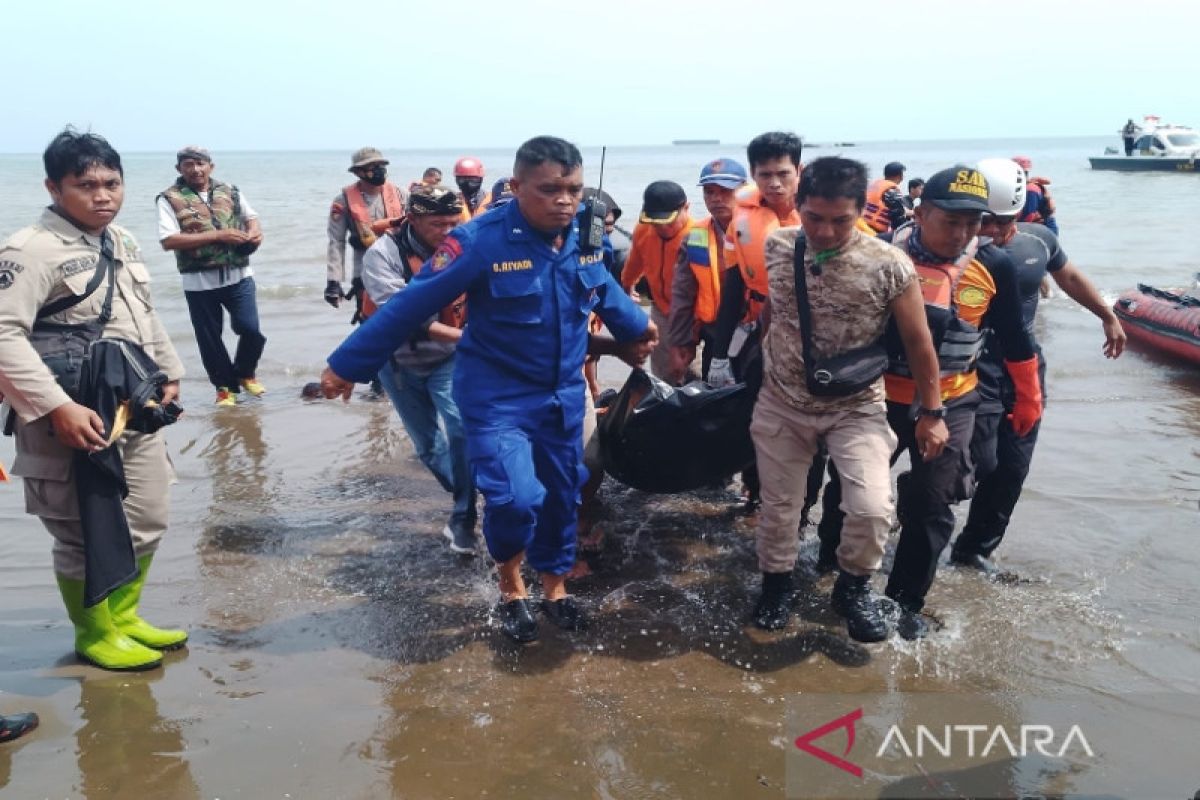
<point>123,605</point>
<point>96,640</point>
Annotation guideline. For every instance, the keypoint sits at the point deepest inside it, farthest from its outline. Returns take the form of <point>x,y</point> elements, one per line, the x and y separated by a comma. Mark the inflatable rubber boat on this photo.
<point>1162,319</point>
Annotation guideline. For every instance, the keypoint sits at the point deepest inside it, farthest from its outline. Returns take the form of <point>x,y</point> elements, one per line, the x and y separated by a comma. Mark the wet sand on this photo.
<point>339,650</point>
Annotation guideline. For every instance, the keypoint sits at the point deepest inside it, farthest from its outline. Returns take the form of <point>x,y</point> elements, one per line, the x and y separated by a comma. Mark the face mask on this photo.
<point>376,176</point>
<point>469,186</point>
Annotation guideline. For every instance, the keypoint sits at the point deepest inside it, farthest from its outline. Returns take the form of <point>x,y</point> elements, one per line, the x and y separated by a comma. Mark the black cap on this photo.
<point>960,188</point>
<point>606,198</point>
<point>662,202</point>
<point>893,168</point>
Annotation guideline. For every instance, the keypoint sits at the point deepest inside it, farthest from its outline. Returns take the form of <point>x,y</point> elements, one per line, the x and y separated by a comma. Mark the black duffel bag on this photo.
<point>664,439</point>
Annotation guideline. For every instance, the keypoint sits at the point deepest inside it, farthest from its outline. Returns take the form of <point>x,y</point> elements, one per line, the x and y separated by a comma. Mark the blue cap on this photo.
<point>723,172</point>
<point>501,193</point>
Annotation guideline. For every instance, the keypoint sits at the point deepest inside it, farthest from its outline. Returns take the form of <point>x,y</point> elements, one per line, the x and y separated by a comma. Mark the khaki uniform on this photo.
<point>38,265</point>
<point>850,303</point>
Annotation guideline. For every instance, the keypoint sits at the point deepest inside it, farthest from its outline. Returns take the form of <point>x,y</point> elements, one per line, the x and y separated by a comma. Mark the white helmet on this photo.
<point>1006,185</point>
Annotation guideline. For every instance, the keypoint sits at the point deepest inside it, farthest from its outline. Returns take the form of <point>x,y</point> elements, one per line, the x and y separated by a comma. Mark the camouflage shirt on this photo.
<point>850,302</point>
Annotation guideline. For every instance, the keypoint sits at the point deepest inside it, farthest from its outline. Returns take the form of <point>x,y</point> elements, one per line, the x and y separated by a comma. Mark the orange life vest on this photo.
<point>957,295</point>
<point>654,257</point>
<point>454,315</point>
<point>753,222</point>
<point>703,246</point>
<point>875,212</point>
<point>484,199</point>
<point>363,232</point>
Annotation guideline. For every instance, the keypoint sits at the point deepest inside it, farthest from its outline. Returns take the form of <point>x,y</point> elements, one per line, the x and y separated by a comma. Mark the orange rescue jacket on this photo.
<point>364,230</point>
<point>753,222</point>
<point>966,288</point>
<point>654,257</point>
<point>703,246</point>
<point>875,212</point>
<point>484,199</point>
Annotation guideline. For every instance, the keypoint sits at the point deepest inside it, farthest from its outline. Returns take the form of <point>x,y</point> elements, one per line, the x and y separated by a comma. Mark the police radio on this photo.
<point>595,211</point>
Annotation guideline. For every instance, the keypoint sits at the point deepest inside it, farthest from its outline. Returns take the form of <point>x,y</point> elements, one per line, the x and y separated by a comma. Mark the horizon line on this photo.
<point>439,148</point>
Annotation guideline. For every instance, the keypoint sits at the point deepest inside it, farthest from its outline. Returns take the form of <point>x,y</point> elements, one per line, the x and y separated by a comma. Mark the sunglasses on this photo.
<point>993,219</point>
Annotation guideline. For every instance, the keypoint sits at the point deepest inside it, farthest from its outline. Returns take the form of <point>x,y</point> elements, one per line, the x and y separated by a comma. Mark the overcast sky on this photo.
<point>255,75</point>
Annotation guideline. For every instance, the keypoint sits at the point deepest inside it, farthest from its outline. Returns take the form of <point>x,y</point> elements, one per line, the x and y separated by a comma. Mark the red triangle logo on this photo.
<point>805,742</point>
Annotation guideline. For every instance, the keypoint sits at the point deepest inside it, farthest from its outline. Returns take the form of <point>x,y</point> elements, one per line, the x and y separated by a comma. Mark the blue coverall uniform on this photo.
<point>518,377</point>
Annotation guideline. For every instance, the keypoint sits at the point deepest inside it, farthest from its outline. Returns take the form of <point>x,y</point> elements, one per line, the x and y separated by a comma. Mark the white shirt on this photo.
<point>205,280</point>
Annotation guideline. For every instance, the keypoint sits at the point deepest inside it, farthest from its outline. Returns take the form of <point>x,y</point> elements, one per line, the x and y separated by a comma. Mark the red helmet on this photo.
<point>468,167</point>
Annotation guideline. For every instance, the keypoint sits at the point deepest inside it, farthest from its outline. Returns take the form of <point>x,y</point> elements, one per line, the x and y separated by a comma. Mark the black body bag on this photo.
<point>664,439</point>
<point>836,376</point>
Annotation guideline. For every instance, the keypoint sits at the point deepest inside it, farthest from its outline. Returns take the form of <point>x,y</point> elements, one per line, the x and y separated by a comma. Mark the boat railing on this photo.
<point>1181,298</point>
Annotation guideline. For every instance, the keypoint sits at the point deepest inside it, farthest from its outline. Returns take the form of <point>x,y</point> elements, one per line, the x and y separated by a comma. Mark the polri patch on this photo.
<point>8,273</point>
<point>77,265</point>
<point>336,211</point>
<point>444,256</point>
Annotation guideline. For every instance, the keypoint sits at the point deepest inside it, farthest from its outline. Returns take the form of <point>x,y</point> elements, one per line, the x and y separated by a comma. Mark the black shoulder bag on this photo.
<point>836,376</point>
<point>63,347</point>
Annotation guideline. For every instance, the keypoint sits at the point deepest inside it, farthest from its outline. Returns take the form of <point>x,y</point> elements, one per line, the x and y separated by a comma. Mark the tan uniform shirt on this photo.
<point>850,303</point>
<point>53,259</point>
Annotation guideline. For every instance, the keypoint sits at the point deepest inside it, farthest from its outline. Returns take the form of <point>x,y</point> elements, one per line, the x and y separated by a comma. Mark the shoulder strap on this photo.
<point>803,311</point>
<point>104,267</point>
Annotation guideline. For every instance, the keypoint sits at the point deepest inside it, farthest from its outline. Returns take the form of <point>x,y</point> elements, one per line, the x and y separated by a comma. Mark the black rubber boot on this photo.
<point>565,613</point>
<point>912,625</point>
<point>517,622</point>
<point>853,599</point>
<point>975,561</point>
<point>774,607</point>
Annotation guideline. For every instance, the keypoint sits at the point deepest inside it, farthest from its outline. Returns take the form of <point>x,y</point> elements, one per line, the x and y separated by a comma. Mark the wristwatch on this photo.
<point>936,413</point>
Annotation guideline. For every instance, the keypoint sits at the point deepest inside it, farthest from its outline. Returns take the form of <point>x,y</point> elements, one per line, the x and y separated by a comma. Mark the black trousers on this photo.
<point>933,487</point>
<point>748,368</point>
<point>207,309</point>
<point>1129,145</point>
<point>1002,462</point>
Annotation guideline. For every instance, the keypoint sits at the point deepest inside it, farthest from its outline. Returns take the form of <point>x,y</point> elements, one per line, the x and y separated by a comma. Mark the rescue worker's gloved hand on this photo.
<point>1027,409</point>
<point>333,293</point>
<point>381,226</point>
<point>720,373</point>
<point>357,293</point>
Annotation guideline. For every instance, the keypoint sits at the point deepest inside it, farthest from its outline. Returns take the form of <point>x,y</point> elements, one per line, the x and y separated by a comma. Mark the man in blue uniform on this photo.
<point>530,285</point>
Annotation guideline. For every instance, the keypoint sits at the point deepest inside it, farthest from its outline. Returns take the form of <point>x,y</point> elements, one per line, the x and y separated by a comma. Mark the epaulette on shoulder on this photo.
<point>21,238</point>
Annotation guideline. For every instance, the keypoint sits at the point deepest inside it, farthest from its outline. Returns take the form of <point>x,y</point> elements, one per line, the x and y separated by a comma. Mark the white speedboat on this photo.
<point>1160,147</point>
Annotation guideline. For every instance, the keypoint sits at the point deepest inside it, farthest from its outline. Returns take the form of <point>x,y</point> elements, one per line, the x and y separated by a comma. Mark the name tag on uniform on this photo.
<point>78,265</point>
<point>512,266</point>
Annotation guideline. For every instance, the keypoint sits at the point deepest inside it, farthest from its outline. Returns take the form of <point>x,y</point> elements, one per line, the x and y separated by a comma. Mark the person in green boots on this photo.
<point>72,254</point>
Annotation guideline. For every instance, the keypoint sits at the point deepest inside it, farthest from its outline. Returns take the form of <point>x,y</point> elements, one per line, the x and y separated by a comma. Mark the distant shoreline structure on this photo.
<point>694,141</point>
